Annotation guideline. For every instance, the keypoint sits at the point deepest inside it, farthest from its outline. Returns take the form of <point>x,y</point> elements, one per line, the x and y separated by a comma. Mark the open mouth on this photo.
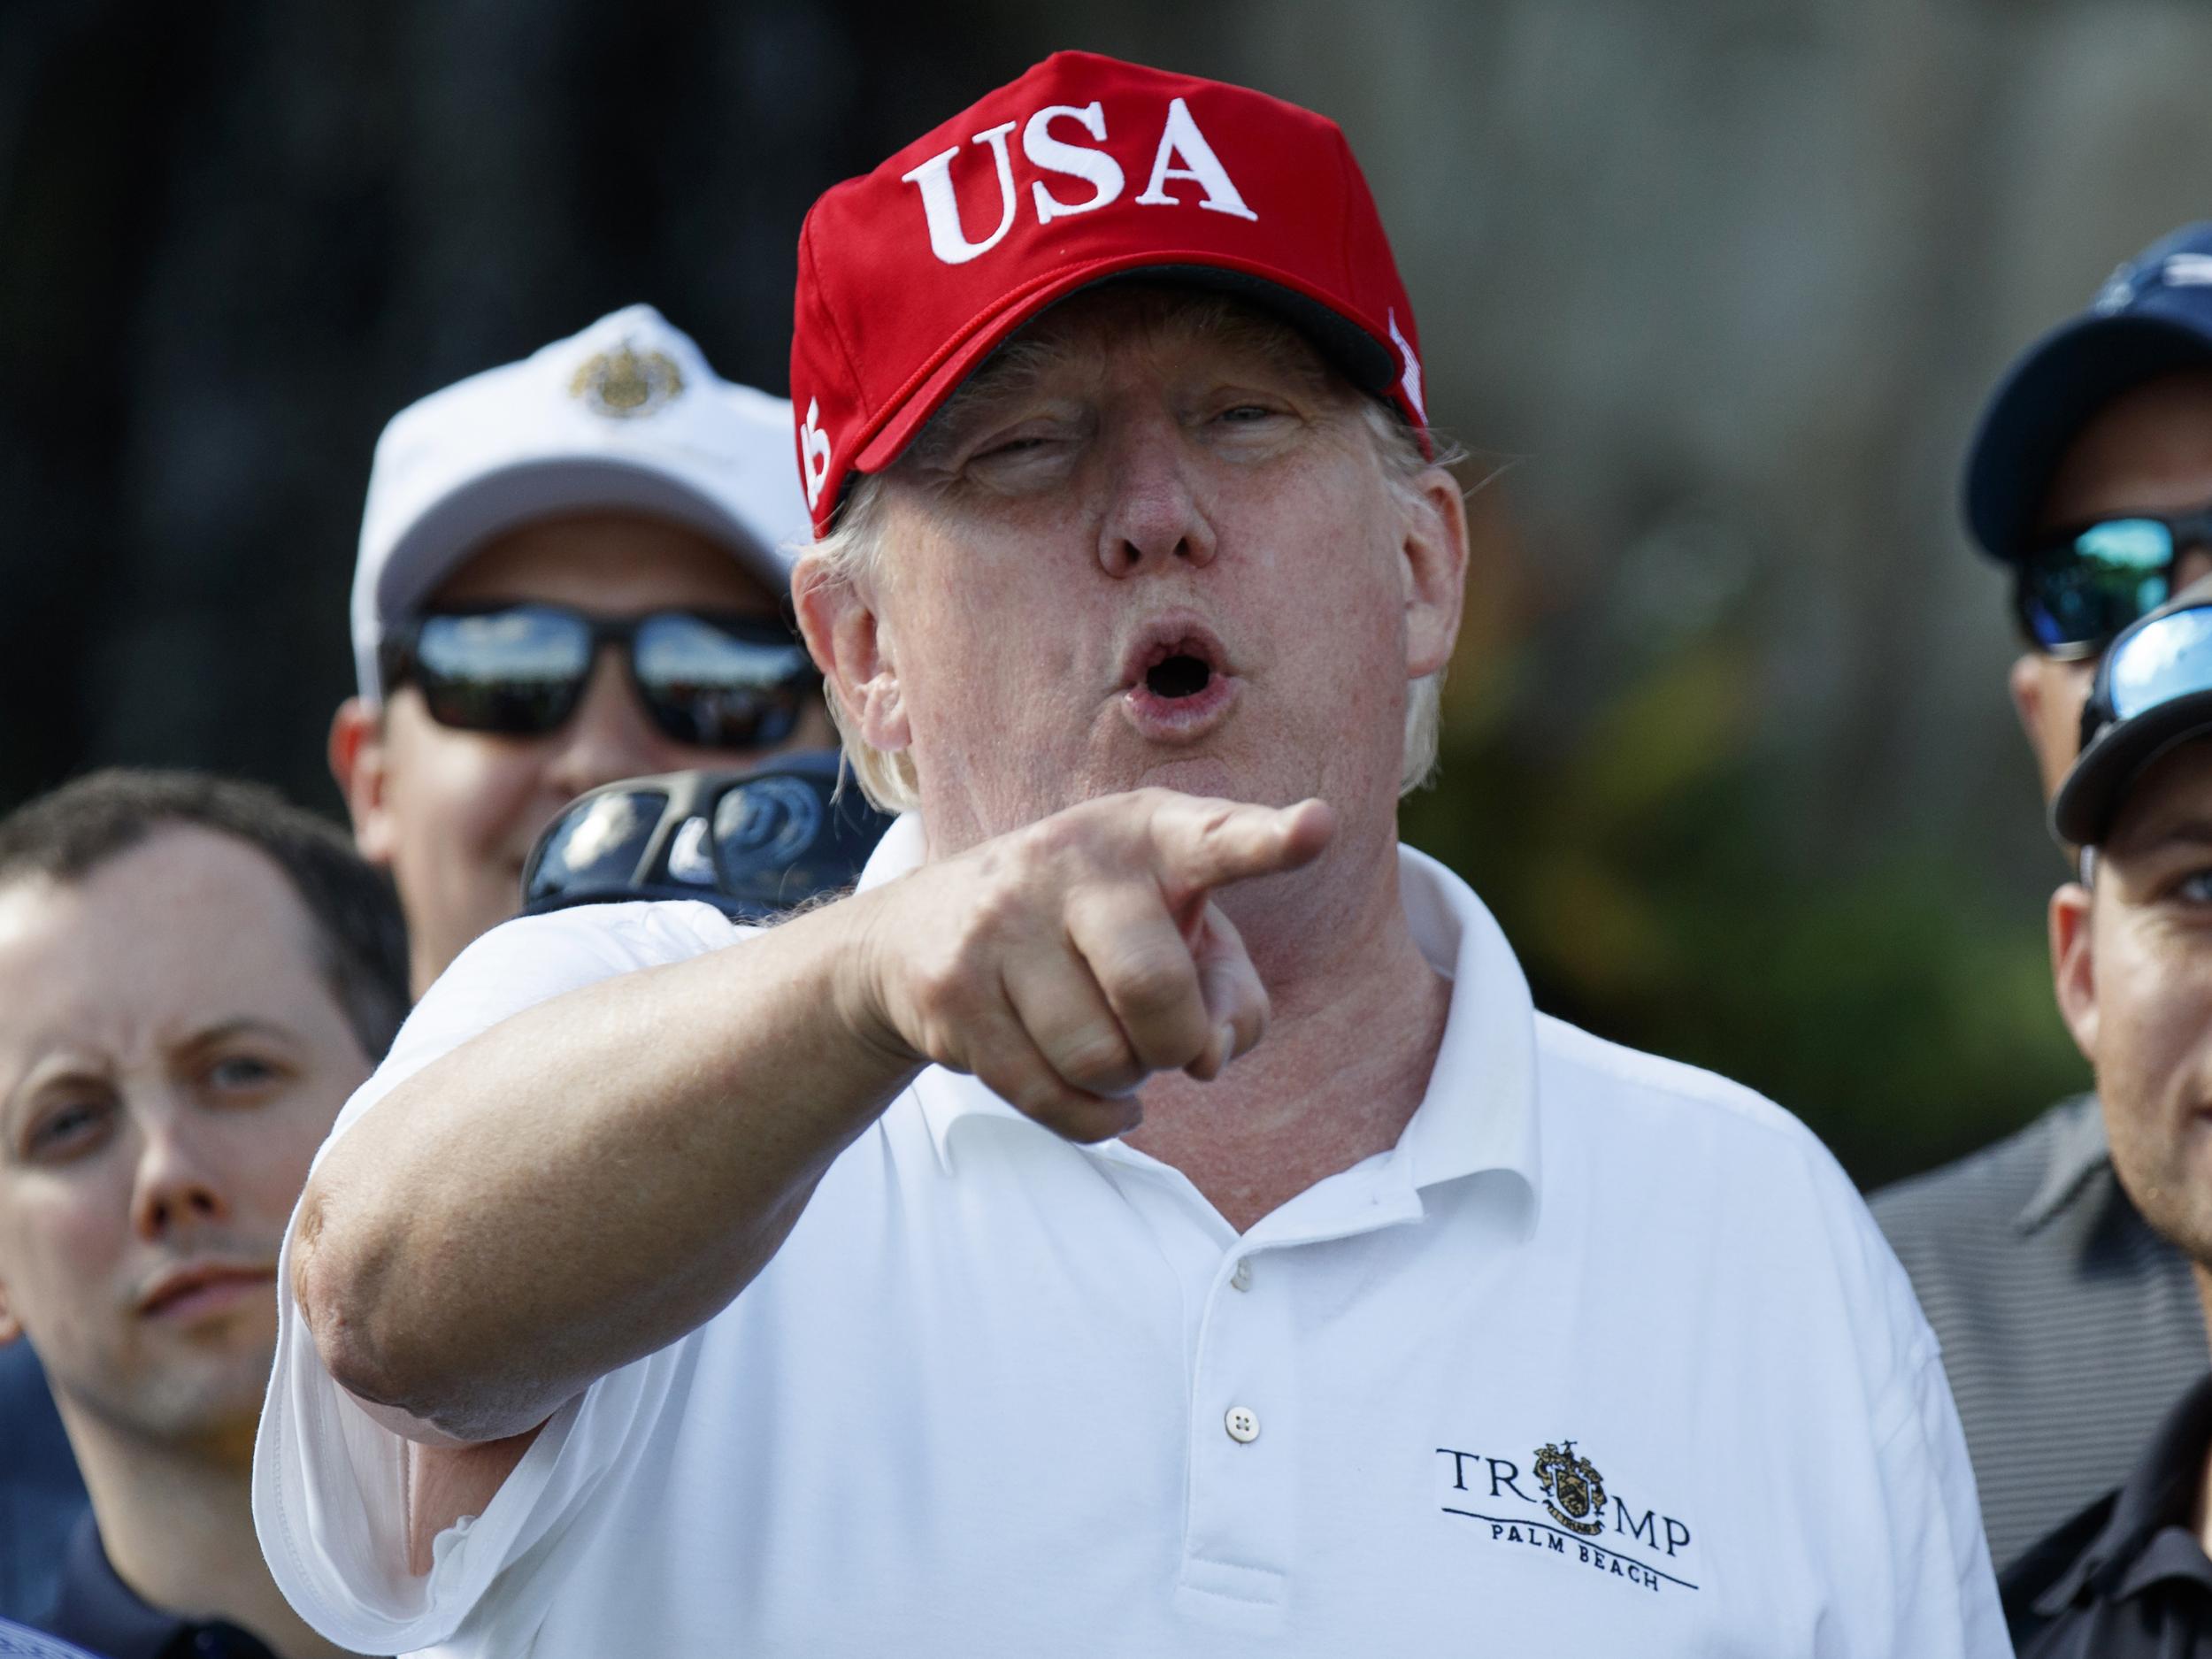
<point>1183,674</point>
<point>1176,659</point>
<point>1178,679</point>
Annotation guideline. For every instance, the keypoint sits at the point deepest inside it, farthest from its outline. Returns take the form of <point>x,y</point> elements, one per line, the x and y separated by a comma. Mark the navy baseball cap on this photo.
<point>2152,315</point>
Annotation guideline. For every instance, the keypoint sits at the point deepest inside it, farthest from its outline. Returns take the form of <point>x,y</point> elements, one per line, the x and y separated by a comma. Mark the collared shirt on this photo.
<point>20,1641</point>
<point>97,1610</point>
<point>1603,1357</point>
<point>41,1495</point>
<point>2126,1578</point>
<point>2068,1327</point>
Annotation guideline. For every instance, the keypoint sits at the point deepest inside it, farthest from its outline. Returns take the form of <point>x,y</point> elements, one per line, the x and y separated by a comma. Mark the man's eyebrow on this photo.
<point>238,1025</point>
<point>1010,372</point>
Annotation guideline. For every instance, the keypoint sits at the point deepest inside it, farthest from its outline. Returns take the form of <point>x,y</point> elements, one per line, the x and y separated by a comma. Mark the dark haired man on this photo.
<point>193,975</point>
<point>2091,479</point>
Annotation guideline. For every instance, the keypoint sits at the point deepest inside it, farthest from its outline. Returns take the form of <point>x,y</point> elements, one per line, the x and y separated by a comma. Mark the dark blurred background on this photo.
<point>1713,287</point>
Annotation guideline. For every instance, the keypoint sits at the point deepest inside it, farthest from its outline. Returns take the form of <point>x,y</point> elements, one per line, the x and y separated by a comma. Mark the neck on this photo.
<point>176,1521</point>
<point>1356,1014</point>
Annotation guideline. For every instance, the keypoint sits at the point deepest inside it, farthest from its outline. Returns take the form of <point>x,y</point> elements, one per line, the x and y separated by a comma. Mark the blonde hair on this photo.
<point>856,550</point>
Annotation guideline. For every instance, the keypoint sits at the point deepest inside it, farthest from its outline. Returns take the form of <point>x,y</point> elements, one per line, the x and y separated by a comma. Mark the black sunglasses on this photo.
<point>753,843</point>
<point>2078,589</point>
<point>718,682</point>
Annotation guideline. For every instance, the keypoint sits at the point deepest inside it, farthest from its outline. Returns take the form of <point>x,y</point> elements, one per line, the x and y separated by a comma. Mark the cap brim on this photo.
<point>456,523</point>
<point>2047,398</point>
<point>2089,798</point>
<point>1365,359</point>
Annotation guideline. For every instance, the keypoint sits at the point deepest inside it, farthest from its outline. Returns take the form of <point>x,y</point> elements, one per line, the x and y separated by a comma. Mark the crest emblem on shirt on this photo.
<point>1574,1492</point>
<point>625,383</point>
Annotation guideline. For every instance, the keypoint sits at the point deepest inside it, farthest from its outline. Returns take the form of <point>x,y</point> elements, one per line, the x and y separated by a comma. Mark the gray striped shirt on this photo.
<point>2069,1327</point>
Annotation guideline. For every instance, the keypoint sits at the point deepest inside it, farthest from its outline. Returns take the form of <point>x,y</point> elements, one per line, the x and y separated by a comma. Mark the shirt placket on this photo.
<point>1239,1533</point>
<point>1246,1433</point>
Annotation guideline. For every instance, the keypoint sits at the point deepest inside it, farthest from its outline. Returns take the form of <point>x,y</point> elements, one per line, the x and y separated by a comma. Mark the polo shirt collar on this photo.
<point>97,1610</point>
<point>1480,1113</point>
<point>2078,1149</point>
<point>2127,1553</point>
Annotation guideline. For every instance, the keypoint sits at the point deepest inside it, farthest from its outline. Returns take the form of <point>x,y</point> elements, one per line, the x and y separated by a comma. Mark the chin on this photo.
<point>220,1407</point>
<point>1199,774</point>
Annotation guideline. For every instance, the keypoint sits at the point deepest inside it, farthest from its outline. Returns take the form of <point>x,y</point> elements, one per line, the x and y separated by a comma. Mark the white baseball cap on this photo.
<point>626,415</point>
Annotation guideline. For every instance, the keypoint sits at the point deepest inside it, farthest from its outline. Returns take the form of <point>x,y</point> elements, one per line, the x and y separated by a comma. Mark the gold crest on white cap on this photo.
<point>624,383</point>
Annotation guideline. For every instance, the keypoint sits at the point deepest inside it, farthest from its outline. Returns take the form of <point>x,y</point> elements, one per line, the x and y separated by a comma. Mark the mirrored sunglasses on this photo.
<point>2076,591</point>
<point>707,678</point>
<point>754,843</point>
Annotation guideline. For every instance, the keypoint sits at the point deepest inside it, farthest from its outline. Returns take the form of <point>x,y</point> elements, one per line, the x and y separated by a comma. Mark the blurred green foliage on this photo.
<point>1902,1010</point>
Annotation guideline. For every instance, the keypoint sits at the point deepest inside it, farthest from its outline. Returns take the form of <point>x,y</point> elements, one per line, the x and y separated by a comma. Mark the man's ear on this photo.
<point>1434,553</point>
<point>2047,696</point>
<point>2073,966</point>
<point>359,762</point>
<point>842,629</point>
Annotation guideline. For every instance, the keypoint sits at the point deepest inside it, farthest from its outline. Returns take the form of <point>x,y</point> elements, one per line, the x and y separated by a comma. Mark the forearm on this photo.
<point>587,1181</point>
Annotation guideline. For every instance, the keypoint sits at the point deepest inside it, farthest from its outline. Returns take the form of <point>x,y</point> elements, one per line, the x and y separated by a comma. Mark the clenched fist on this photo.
<point>1064,963</point>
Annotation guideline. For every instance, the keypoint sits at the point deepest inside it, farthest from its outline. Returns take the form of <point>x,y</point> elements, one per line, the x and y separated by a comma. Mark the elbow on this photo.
<point>340,1301</point>
<point>344,1279</point>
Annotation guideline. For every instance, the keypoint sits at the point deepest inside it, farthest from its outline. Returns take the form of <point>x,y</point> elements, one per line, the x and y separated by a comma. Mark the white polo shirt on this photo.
<point>1604,1357</point>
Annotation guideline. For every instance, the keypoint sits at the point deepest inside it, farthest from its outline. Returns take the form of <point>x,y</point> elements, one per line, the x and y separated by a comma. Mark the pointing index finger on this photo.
<point>1201,844</point>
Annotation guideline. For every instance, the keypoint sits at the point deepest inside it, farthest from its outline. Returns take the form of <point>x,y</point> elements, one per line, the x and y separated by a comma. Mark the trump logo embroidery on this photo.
<point>1573,1489</point>
<point>1587,1528</point>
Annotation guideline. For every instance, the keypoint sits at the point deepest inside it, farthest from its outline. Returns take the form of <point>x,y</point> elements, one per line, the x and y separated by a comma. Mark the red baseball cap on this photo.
<point>1084,169</point>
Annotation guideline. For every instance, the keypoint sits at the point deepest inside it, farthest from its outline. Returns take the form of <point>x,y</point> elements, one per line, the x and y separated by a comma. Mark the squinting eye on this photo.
<point>240,1072</point>
<point>1021,444</point>
<point>2195,889</point>
<point>67,1130</point>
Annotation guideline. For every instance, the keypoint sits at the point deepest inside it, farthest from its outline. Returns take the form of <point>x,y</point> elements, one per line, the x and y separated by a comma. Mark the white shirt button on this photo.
<point>1244,1424</point>
<point>1241,1279</point>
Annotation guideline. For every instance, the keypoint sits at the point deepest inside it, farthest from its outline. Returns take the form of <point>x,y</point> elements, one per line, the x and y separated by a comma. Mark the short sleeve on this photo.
<point>1941,1592</point>
<point>1946,1593</point>
<point>329,1482</point>
<point>1923,1583</point>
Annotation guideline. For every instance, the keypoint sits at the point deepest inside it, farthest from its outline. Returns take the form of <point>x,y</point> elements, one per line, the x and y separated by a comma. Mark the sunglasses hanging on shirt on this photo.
<point>754,843</point>
<point>714,680</point>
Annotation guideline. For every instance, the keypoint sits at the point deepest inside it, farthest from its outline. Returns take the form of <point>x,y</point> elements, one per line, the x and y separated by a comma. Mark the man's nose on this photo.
<point>1154,517</point>
<point>177,1183</point>
<point>610,735</point>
